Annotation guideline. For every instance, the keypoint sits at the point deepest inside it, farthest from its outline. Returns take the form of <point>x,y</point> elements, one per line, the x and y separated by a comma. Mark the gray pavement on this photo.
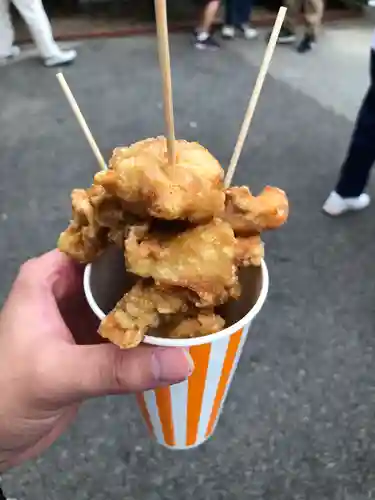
<point>335,74</point>
<point>299,420</point>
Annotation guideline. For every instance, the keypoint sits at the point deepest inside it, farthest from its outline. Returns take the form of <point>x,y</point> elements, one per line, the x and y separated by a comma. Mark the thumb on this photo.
<point>99,370</point>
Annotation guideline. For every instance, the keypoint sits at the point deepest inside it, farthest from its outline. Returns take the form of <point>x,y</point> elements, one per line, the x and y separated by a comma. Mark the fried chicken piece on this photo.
<point>98,218</point>
<point>108,210</point>
<point>147,306</point>
<point>141,176</point>
<point>196,323</point>
<point>84,239</point>
<point>80,243</point>
<point>201,259</point>
<point>249,250</point>
<point>82,210</point>
<point>117,235</point>
<point>248,214</point>
<point>142,308</point>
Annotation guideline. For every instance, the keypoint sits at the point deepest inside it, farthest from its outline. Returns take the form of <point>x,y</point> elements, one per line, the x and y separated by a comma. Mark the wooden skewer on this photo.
<point>255,95</point>
<point>165,67</point>
<point>81,120</point>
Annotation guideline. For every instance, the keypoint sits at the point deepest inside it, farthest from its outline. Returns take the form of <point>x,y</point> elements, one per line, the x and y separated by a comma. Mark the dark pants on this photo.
<point>237,12</point>
<point>361,154</point>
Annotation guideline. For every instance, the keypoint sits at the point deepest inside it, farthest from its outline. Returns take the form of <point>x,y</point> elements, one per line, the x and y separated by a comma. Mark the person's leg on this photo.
<point>314,10</point>
<point>361,154</point>
<point>313,14</point>
<point>203,37</point>
<point>360,158</point>
<point>6,30</point>
<point>34,15</point>
<point>228,30</point>
<point>294,8</point>
<point>209,15</point>
<point>288,30</point>
<point>229,12</point>
<point>37,21</point>
<point>243,13</point>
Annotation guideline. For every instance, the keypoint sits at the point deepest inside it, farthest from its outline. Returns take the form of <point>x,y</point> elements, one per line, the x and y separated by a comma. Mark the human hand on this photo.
<point>45,374</point>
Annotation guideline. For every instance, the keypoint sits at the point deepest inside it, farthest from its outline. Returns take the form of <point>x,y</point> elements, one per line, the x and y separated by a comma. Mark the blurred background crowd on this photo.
<point>84,17</point>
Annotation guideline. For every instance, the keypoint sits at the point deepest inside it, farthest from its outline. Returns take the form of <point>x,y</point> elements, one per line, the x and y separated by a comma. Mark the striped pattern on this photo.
<point>185,415</point>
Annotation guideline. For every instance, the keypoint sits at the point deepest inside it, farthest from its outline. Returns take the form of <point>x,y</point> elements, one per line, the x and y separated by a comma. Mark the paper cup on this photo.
<point>185,415</point>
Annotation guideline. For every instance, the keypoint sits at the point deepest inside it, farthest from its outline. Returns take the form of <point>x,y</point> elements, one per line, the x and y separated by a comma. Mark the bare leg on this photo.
<point>209,15</point>
<point>203,38</point>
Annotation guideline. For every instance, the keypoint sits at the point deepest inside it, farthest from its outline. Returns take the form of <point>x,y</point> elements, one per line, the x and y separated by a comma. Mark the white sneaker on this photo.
<point>228,32</point>
<point>248,32</point>
<point>337,205</point>
<point>60,58</point>
<point>15,51</point>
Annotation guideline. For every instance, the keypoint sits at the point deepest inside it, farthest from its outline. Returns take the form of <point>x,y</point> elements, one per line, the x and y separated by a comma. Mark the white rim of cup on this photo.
<point>206,339</point>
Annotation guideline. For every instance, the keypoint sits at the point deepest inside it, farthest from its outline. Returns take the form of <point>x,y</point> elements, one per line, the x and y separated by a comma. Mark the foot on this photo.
<point>307,43</point>
<point>248,32</point>
<point>286,36</point>
<point>15,51</point>
<point>204,42</point>
<point>228,32</point>
<point>61,58</point>
<point>337,205</point>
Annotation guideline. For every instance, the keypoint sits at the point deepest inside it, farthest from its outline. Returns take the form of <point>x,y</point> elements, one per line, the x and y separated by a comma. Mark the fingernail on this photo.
<point>171,365</point>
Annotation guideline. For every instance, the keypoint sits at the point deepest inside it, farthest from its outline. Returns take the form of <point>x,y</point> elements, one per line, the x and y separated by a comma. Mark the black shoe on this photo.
<point>286,36</point>
<point>208,44</point>
<point>306,44</point>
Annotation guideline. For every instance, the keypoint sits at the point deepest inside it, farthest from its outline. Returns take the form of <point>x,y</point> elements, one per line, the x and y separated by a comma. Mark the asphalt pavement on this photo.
<point>299,420</point>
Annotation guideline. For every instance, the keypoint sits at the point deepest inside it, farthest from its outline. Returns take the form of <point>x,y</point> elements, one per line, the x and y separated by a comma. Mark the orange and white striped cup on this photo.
<point>184,415</point>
